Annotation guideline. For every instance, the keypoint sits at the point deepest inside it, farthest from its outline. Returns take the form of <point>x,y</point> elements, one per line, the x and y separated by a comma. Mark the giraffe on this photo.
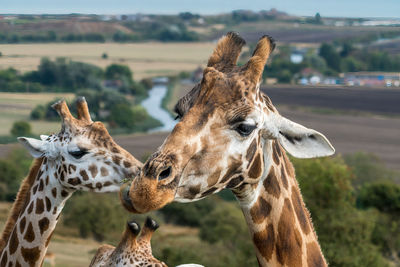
<point>133,249</point>
<point>82,156</point>
<point>230,135</point>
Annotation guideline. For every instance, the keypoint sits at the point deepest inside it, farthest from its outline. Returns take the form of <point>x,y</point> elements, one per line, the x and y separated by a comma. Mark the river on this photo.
<point>152,104</point>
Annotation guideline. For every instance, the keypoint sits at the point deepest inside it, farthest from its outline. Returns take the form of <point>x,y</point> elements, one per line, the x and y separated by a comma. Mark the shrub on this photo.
<point>12,170</point>
<point>21,128</point>
<point>38,112</point>
<point>95,215</point>
<point>189,214</point>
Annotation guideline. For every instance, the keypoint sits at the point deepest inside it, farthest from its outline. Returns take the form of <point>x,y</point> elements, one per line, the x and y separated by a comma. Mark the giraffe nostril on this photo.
<point>165,173</point>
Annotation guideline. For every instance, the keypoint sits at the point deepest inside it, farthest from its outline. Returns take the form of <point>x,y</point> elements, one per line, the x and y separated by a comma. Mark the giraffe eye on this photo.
<point>245,129</point>
<point>78,154</point>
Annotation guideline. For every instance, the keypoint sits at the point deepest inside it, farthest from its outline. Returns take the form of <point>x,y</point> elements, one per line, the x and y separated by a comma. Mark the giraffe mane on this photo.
<point>20,201</point>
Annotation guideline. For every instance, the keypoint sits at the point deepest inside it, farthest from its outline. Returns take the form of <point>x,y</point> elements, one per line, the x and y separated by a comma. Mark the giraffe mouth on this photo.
<point>125,199</point>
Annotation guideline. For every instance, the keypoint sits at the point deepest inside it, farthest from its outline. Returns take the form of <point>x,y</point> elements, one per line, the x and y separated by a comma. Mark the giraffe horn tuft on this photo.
<point>83,109</point>
<point>63,110</point>
<point>227,52</point>
<point>255,66</point>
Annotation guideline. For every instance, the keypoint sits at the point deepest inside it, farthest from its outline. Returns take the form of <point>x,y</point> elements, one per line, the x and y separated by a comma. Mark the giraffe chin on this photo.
<point>145,196</point>
<point>125,200</point>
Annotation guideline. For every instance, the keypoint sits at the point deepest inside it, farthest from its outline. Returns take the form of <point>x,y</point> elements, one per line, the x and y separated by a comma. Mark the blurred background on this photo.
<point>336,69</point>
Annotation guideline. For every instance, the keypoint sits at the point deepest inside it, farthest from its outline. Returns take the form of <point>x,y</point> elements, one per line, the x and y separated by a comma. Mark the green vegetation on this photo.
<point>21,128</point>
<point>12,171</point>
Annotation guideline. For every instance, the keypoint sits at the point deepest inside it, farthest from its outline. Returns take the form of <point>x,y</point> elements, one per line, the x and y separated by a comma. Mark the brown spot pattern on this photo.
<point>256,168</point>
<point>271,183</point>
<point>93,170</point>
<point>64,193</point>
<point>39,206</point>
<point>48,204</point>
<point>275,155</point>
<point>289,240</point>
<point>251,150</point>
<point>30,255</point>
<point>260,210</point>
<point>194,190</point>
<point>235,182</point>
<point>213,178</point>
<point>104,171</point>
<point>14,243</point>
<point>74,181</point>
<point>283,177</point>
<point>300,212</point>
<point>84,175</point>
<point>30,234</point>
<point>314,255</point>
<point>264,242</point>
<point>54,192</point>
<point>116,159</point>
<point>127,164</point>
<point>43,225</point>
<point>30,208</point>
<point>22,224</point>
<point>4,259</point>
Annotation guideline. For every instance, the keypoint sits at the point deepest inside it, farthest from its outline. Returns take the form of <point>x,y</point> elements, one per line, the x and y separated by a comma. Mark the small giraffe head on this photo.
<point>83,155</point>
<point>133,250</point>
<point>224,137</point>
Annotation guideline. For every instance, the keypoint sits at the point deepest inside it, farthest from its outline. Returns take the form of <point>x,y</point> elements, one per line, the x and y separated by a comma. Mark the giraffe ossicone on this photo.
<point>230,135</point>
<point>82,156</point>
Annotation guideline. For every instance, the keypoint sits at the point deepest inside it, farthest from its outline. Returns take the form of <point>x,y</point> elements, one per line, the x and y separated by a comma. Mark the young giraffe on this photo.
<point>83,156</point>
<point>132,250</point>
<point>231,136</point>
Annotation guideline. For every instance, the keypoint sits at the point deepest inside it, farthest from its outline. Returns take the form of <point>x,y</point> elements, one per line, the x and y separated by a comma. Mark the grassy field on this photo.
<point>18,106</point>
<point>144,59</point>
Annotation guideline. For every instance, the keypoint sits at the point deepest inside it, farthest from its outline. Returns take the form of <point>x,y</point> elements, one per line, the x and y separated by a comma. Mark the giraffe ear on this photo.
<point>34,146</point>
<point>302,142</point>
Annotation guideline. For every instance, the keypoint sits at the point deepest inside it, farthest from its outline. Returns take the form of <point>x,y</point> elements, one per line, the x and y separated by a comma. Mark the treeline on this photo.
<point>62,75</point>
<point>144,31</point>
<point>51,37</point>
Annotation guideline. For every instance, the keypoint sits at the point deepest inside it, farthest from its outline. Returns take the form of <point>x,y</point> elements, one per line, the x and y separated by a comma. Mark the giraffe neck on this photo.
<point>31,234</point>
<point>279,223</point>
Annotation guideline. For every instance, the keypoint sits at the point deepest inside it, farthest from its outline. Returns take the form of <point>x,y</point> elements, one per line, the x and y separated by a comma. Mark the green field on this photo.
<point>18,106</point>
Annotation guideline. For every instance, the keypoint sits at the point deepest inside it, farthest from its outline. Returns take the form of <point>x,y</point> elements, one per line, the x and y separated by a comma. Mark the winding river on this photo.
<point>152,104</point>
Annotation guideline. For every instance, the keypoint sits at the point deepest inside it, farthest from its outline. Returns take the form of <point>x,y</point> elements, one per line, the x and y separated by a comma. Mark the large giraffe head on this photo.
<point>83,153</point>
<point>224,136</point>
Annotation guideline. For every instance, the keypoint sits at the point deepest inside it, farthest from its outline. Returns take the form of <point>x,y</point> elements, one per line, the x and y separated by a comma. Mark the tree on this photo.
<point>21,128</point>
<point>117,72</point>
<point>122,116</point>
<point>385,197</point>
<point>38,112</point>
<point>226,226</point>
<point>345,233</point>
<point>318,18</point>
<point>95,214</point>
<point>189,214</point>
<point>330,55</point>
<point>12,171</point>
